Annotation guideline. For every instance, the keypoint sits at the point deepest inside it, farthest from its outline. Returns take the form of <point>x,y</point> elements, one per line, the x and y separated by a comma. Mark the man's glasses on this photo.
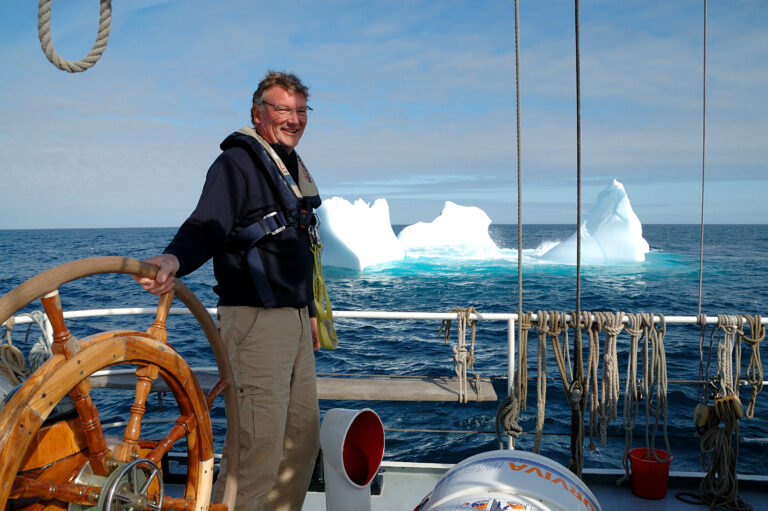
<point>286,111</point>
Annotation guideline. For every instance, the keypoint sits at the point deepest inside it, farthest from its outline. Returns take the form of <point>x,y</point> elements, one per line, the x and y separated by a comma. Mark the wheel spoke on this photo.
<point>149,480</point>
<point>64,342</point>
<point>183,426</point>
<point>129,448</point>
<point>157,330</point>
<point>26,487</point>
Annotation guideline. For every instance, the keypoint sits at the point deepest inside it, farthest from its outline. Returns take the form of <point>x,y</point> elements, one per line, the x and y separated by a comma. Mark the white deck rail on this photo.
<point>510,318</point>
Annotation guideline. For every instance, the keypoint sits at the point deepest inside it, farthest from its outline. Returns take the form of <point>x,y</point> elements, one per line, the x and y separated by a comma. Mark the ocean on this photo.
<point>735,270</point>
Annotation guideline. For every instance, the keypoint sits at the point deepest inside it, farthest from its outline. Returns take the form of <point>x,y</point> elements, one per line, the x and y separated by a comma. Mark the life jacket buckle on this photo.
<point>314,230</point>
<point>271,224</point>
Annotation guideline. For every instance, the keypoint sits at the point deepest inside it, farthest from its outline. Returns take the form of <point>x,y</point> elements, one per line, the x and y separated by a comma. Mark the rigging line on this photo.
<point>577,407</point>
<point>578,166</point>
<point>519,181</point>
<point>703,154</point>
<point>702,390</point>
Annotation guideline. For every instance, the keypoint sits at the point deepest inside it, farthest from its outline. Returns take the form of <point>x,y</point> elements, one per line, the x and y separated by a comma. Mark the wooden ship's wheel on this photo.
<point>70,463</point>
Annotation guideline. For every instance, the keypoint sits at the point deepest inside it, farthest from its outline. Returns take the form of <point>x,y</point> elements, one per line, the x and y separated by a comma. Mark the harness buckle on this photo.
<point>314,230</point>
<point>271,224</point>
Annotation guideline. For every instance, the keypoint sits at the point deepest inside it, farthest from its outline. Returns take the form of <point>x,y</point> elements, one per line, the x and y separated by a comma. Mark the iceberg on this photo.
<point>360,235</point>
<point>357,235</point>
<point>611,232</point>
<point>462,230</point>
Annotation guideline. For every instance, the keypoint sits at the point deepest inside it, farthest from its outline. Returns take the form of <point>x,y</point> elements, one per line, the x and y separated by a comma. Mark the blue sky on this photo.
<point>414,102</point>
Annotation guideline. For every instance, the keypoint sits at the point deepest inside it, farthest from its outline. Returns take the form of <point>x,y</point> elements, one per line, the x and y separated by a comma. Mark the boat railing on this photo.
<point>409,390</point>
<point>510,318</point>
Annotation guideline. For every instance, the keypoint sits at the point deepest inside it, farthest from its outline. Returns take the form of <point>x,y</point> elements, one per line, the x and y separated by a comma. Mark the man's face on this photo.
<point>280,127</point>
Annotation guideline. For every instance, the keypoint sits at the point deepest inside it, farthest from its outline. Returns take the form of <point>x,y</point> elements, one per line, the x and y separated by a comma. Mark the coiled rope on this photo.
<point>462,358</point>
<point>603,405</point>
<point>44,34</point>
<point>650,386</point>
<point>609,401</point>
<point>719,443</point>
<point>542,329</point>
<point>754,373</point>
<point>507,420</point>
<point>12,363</point>
<point>631,393</point>
<point>655,382</point>
<point>554,324</point>
<point>508,413</point>
<point>592,327</point>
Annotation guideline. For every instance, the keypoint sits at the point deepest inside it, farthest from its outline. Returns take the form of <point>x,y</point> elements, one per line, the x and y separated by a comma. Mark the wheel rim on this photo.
<point>21,414</point>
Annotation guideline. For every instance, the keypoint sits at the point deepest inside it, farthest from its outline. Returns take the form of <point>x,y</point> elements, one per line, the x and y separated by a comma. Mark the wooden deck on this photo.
<point>338,388</point>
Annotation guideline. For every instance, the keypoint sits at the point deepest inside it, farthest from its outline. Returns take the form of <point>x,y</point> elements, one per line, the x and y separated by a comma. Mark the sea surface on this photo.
<point>734,282</point>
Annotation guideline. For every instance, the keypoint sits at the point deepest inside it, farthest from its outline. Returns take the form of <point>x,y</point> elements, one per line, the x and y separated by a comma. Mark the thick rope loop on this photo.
<point>521,383</point>
<point>44,34</point>
<point>719,445</point>
<point>462,358</point>
<point>592,326</point>
<point>13,366</point>
<point>542,328</point>
<point>507,420</point>
<point>754,373</point>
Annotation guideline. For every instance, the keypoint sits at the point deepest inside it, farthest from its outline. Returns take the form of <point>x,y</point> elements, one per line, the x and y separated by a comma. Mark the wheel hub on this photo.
<point>133,486</point>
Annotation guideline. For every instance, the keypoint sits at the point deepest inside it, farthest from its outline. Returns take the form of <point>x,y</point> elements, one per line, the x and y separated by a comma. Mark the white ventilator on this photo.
<point>507,480</point>
<point>353,446</point>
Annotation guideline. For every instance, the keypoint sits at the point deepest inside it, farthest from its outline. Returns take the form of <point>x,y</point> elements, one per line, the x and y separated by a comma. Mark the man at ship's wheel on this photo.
<point>253,218</point>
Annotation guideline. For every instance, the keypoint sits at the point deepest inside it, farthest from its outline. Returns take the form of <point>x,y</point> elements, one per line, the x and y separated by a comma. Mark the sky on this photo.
<point>414,102</point>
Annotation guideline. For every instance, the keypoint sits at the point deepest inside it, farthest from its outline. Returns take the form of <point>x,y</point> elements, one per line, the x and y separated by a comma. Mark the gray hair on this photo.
<point>287,81</point>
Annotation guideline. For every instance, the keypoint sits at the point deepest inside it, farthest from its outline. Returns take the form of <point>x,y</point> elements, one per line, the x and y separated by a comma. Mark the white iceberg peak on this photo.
<point>612,232</point>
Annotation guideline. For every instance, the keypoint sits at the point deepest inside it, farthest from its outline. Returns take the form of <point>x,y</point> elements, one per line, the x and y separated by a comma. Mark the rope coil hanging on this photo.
<point>655,382</point>
<point>718,424</point>
<point>508,413</point>
<point>542,328</point>
<point>603,403</point>
<point>631,393</point>
<point>463,358</point>
<point>754,372</point>
<point>612,325</point>
<point>44,34</point>
<point>13,365</point>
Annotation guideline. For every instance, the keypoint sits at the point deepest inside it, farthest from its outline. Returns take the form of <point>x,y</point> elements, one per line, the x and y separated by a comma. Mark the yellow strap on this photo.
<point>328,338</point>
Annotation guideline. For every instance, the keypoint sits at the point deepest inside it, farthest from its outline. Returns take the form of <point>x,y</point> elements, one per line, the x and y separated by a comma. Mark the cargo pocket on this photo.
<point>257,420</point>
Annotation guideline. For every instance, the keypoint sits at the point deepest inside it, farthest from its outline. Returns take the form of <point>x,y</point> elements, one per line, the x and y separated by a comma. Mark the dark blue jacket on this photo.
<point>239,190</point>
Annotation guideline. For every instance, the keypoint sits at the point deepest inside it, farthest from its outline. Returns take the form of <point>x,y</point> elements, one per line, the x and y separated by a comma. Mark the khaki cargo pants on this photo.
<point>274,367</point>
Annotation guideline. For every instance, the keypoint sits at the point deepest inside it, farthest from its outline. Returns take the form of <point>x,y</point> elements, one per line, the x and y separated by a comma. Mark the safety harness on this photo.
<point>298,202</point>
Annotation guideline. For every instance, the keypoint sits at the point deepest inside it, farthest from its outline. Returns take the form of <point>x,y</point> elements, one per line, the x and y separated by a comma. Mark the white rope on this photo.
<point>44,34</point>
<point>631,396</point>
<point>754,372</point>
<point>41,350</point>
<point>727,350</point>
<point>657,379</point>
<point>592,325</point>
<point>612,325</point>
<point>719,444</point>
<point>463,358</point>
<point>12,364</point>
<point>542,328</point>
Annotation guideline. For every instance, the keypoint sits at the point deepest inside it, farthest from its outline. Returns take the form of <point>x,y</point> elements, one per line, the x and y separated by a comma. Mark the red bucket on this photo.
<point>649,476</point>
